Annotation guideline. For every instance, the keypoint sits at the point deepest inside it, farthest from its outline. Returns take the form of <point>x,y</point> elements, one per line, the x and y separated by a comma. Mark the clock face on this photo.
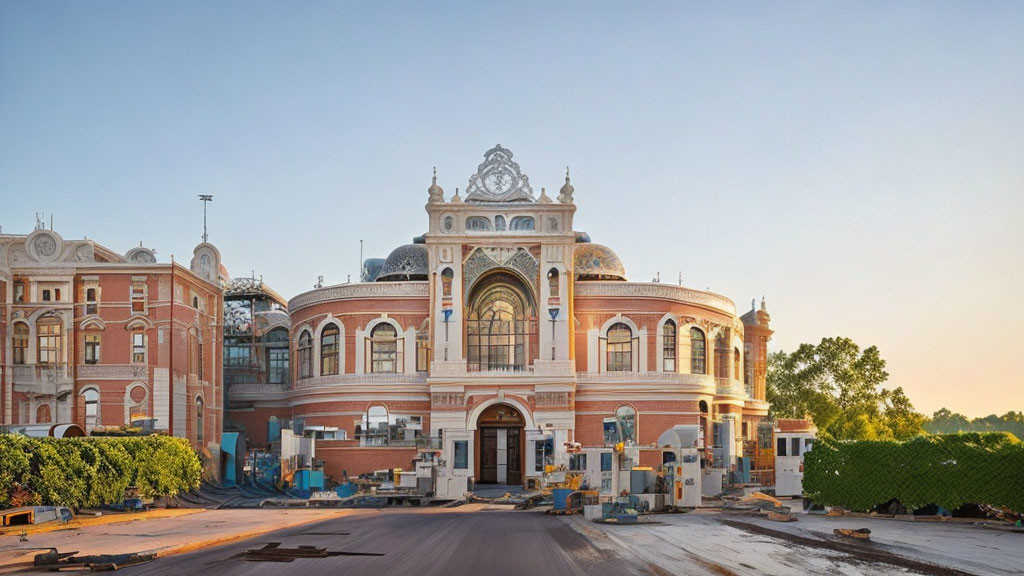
<point>498,182</point>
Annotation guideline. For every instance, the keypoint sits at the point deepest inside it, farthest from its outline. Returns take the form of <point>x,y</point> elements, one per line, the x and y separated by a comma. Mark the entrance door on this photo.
<point>515,461</point>
<point>488,455</point>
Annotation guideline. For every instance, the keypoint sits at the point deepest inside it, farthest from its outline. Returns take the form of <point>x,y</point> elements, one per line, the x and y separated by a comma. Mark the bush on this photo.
<point>948,470</point>
<point>85,472</point>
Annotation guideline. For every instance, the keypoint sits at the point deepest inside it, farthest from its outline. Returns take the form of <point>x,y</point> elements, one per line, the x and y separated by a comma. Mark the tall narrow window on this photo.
<point>668,346</point>
<point>56,294</point>
<point>423,347</point>
<point>446,282</point>
<point>384,349</point>
<point>620,348</point>
<point>200,373</point>
<point>46,295</point>
<point>19,342</point>
<point>91,305</point>
<point>736,364</point>
<point>92,408</point>
<point>553,283</point>
<point>200,428</point>
<point>19,292</point>
<point>329,350</point>
<point>138,298</point>
<point>277,356</point>
<point>698,352</point>
<point>92,348</point>
<point>305,355</point>
<point>138,348</point>
<point>48,338</point>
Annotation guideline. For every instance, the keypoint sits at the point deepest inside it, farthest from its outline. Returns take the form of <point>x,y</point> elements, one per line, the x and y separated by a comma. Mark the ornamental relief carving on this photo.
<point>487,258</point>
<point>668,292</point>
<point>363,290</point>
<point>113,372</point>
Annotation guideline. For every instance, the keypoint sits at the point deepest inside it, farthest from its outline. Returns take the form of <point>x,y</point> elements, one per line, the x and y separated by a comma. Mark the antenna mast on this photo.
<point>206,199</point>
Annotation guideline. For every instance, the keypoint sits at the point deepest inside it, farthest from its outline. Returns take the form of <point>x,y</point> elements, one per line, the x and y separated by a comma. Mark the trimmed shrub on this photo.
<point>946,470</point>
<point>85,472</point>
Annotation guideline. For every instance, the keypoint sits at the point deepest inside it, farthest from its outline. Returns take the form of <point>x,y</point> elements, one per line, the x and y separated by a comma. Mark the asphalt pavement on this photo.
<point>421,542</point>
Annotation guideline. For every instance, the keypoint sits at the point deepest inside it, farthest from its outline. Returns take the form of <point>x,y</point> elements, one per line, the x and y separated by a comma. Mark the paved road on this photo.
<point>422,542</point>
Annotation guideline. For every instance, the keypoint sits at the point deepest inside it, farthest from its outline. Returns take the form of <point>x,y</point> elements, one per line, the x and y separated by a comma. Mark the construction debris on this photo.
<point>856,533</point>
<point>272,552</point>
<point>55,561</point>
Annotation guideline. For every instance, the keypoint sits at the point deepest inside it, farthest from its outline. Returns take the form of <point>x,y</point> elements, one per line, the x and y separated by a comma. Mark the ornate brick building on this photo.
<point>97,338</point>
<point>510,341</point>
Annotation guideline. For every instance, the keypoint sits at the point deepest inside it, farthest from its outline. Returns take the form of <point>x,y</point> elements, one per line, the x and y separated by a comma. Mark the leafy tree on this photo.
<point>839,387</point>
<point>945,421</point>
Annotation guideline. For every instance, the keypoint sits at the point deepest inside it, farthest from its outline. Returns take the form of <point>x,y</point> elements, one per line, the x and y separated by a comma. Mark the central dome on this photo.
<point>409,262</point>
<point>597,262</point>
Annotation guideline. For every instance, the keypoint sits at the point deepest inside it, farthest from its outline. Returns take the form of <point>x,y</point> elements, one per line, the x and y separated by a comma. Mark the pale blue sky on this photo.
<point>861,164</point>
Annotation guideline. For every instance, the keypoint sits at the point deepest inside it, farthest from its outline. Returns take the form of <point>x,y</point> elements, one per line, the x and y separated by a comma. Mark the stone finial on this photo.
<point>763,305</point>
<point>753,303</point>
<point>565,194</point>
<point>544,198</point>
<point>456,199</point>
<point>435,192</point>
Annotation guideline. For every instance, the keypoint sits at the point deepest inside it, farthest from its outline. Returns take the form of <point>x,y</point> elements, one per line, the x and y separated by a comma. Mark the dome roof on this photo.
<point>409,262</point>
<point>597,262</point>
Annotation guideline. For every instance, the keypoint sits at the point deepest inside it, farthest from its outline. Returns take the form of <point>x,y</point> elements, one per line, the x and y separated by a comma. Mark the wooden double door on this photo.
<point>501,455</point>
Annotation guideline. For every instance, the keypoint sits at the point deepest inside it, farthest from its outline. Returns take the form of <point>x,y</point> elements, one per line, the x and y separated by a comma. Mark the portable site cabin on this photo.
<point>793,438</point>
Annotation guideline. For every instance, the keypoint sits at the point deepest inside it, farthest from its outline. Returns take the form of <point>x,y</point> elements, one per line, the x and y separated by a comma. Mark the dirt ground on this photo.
<point>709,542</point>
<point>478,539</point>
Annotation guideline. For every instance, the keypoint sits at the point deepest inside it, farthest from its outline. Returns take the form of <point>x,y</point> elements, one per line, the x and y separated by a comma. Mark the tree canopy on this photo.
<point>839,387</point>
<point>945,421</point>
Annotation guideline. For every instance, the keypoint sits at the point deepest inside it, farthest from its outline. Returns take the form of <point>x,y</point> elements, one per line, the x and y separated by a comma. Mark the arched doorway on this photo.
<point>500,440</point>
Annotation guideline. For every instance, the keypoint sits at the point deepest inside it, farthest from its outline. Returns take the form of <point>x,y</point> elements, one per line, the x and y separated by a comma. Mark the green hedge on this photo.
<point>85,472</point>
<point>947,470</point>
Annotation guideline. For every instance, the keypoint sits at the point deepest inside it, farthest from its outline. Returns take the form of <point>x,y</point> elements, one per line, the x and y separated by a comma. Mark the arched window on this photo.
<point>553,283</point>
<point>43,414</point>
<point>626,417</point>
<point>446,282</point>
<point>698,352</point>
<point>92,408</point>
<point>199,419</point>
<point>620,348</point>
<point>305,355</point>
<point>376,429</point>
<point>736,363</point>
<point>384,354</point>
<point>668,346</point>
<point>276,343</point>
<point>501,328</point>
<point>329,350</point>
<point>48,338</point>
<point>90,301</point>
<point>19,342</point>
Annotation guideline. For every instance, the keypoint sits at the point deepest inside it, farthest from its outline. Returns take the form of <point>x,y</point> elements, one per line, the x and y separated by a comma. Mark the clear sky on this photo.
<point>859,163</point>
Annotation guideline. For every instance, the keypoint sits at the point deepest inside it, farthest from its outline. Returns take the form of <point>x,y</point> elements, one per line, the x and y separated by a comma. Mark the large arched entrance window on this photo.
<point>721,357</point>
<point>276,343</point>
<point>501,325</point>
<point>668,346</point>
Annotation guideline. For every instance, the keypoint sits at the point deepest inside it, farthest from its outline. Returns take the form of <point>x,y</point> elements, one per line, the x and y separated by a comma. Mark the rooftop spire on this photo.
<point>435,192</point>
<point>565,194</point>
